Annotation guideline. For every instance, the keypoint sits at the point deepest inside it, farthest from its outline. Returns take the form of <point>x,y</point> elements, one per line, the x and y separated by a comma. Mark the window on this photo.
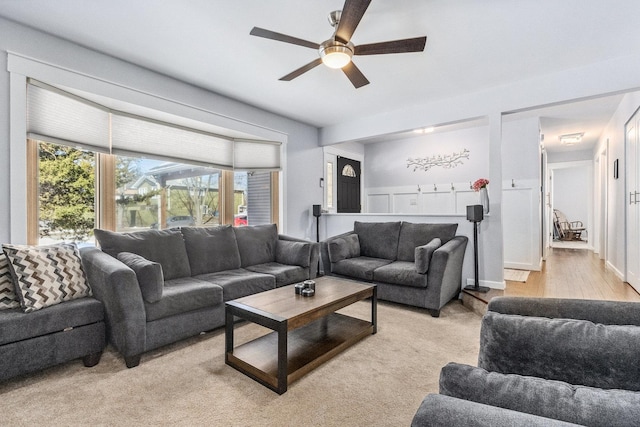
<point>329,184</point>
<point>128,172</point>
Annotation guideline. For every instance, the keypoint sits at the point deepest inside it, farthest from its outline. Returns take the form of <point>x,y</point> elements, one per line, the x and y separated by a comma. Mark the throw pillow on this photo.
<point>424,253</point>
<point>344,247</point>
<point>149,275</point>
<point>8,297</point>
<point>293,253</point>
<point>46,275</point>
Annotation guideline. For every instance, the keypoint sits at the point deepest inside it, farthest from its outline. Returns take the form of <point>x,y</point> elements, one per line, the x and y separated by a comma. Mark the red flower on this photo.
<point>481,183</point>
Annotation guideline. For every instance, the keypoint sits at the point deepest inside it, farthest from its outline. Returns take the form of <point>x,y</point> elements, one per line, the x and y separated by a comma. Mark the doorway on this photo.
<point>348,183</point>
<point>632,140</point>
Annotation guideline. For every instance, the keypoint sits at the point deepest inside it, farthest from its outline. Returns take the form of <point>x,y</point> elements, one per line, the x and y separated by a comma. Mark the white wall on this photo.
<point>79,65</point>
<point>613,136</point>
<point>521,201</point>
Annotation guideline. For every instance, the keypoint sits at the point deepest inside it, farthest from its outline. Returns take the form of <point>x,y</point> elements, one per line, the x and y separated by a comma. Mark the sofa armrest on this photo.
<point>314,254</point>
<point>324,251</point>
<point>116,286</point>
<point>444,277</point>
<point>438,410</point>
<point>605,312</point>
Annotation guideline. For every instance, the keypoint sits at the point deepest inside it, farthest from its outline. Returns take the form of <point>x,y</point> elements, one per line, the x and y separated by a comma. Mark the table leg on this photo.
<point>228,334</point>
<point>374,309</point>
<point>282,358</point>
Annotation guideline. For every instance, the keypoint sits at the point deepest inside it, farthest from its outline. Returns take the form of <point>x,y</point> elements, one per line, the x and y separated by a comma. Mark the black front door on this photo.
<point>348,185</point>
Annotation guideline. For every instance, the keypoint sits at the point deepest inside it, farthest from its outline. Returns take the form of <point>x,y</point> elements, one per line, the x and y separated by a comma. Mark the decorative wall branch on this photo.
<point>448,161</point>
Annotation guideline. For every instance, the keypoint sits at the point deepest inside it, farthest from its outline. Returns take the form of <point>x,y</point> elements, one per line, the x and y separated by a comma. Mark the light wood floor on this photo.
<point>569,273</point>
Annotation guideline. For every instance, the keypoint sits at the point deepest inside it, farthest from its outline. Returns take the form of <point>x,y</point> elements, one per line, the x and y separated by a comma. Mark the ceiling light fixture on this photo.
<point>424,130</point>
<point>571,138</point>
<point>335,54</point>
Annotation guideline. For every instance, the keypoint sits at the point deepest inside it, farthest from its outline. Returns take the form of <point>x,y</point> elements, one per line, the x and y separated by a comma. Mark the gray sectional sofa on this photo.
<point>160,286</point>
<point>545,362</point>
<point>413,264</point>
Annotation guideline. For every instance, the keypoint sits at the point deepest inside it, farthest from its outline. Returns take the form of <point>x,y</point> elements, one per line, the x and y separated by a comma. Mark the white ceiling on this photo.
<point>471,45</point>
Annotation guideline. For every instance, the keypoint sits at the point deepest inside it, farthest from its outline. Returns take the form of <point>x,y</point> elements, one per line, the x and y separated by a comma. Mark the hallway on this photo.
<point>573,273</point>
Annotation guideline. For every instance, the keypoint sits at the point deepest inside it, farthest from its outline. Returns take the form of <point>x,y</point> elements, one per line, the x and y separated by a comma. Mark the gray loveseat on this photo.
<point>413,264</point>
<point>545,362</point>
<point>160,286</point>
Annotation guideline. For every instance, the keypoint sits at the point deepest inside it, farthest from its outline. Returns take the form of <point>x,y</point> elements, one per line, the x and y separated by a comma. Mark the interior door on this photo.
<point>633,202</point>
<point>348,183</point>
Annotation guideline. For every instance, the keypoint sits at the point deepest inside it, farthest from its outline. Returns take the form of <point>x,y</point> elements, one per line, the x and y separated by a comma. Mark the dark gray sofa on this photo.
<point>571,361</point>
<point>160,286</point>
<point>413,264</point>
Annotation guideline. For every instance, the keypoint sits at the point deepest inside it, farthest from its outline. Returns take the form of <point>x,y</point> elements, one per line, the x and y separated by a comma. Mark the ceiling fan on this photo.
<point>337,51</point>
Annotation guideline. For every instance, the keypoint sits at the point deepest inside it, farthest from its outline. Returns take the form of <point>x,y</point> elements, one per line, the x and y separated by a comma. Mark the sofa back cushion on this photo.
<point>256,243</point>
<point>165,247</point>
<point>211,249</point>
<point>414,235</point>
<point>378,239</point>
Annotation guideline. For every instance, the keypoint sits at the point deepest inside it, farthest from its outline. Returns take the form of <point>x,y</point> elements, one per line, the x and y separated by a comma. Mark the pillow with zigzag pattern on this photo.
<point>46,275</point>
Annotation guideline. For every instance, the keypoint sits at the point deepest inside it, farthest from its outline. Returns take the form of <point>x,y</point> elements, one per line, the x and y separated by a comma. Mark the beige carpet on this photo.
<point>378,382</point>
<point>516,275</point>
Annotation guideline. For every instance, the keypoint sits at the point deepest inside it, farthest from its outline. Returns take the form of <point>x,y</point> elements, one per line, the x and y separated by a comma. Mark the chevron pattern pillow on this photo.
<point>46,275</point>
<point>8,297</point>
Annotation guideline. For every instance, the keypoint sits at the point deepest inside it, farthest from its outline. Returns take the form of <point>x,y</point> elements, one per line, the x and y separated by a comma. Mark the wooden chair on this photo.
<point>567,230</point>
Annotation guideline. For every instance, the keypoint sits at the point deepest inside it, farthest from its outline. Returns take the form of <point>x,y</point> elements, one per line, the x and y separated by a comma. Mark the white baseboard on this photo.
<point>492,285</point>
<point>615,270</point>
<point>523,266</point>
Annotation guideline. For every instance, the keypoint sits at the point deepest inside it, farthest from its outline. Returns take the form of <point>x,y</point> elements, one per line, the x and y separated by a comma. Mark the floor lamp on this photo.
<point>475,215</point>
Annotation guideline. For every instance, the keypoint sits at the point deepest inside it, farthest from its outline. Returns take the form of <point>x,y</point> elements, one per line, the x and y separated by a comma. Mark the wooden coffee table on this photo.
<point>307,330</point>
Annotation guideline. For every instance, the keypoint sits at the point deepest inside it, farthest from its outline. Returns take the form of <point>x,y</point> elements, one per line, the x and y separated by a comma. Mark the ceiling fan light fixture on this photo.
<point>335,54</point>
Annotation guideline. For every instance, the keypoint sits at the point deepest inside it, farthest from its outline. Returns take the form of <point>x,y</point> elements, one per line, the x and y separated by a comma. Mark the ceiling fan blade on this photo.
<point>352,13</point>
<point>396,46</point>
<point>301,70</point>
<point>355,75</point>
<point>267,34</point>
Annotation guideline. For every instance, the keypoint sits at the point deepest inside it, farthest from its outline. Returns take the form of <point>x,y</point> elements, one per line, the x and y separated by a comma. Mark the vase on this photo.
<point>484,200</point>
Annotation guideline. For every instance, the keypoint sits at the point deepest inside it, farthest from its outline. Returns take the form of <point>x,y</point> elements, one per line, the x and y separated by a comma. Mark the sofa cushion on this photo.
<point>537,396</point>
<point>256,243</point>
<point>148,273</point>
<point>285,274</point>
<point>183,295</point>
<point>424,253</point>
<point>293,253</point>
<point>414,235</point>
<point>240,282</point>
<point>46,275</point>
<point>361,267</point>
<point>574,351</point>
<point>165,247</point>
<point>378,239</point>
<point>211,249</point>
<point>18,325</point>
<point>344,248</point>
<point>400,273</point>
<point>8,297</point>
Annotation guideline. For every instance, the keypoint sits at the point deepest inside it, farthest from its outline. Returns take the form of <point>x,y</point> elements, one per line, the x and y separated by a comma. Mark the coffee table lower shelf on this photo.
<point>307,348</point>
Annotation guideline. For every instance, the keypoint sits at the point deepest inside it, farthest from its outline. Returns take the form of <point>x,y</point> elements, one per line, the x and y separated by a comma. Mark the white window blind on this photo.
<point>255,155</point>
<point>132,135</point>
<point>56,116</point>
